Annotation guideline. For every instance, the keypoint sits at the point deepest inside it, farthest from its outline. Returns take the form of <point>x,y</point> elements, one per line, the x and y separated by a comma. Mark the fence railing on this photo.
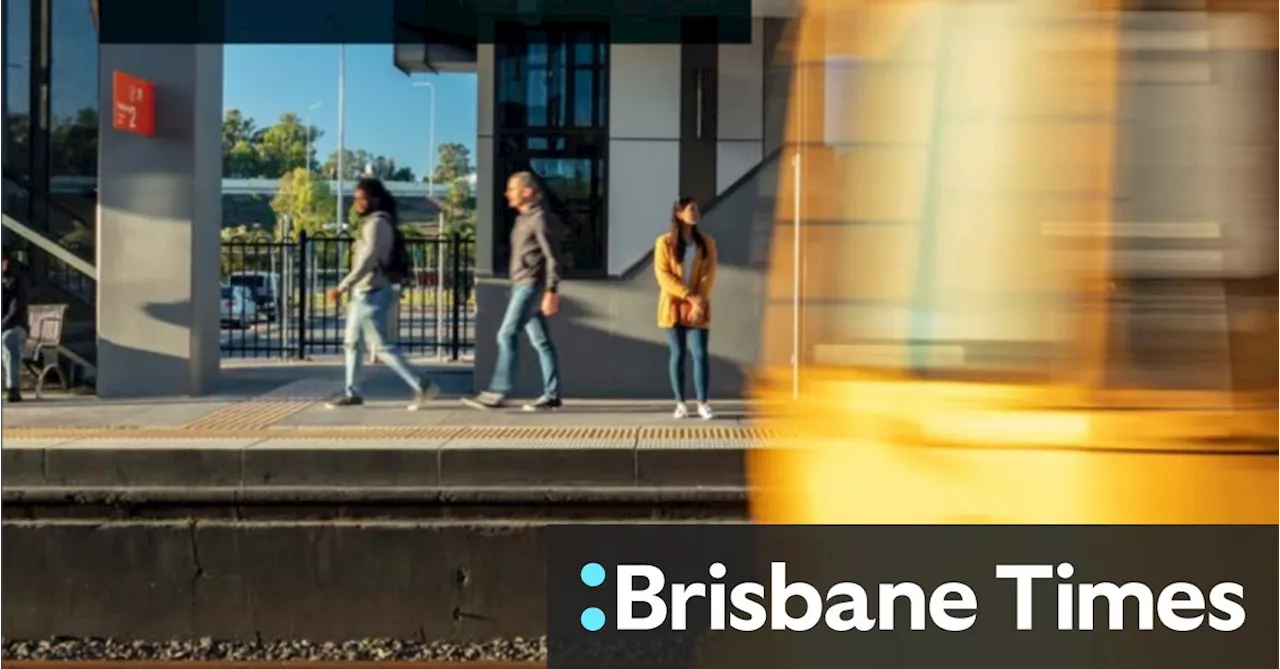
<point>275,304</point>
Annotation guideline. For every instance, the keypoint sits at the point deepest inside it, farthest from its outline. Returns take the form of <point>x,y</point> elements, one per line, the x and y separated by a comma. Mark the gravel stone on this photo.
<point>506,650</point>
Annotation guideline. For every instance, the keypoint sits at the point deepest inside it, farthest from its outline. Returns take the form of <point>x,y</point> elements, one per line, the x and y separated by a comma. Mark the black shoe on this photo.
<point>14,396</point>
<point>425,393</point>
<point>345,401</point>
<point>544,403</point>
<point>486,400</point>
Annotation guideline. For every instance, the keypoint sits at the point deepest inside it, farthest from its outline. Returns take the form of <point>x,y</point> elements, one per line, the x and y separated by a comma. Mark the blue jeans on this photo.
<point>13,339</point>
<point>697,340</point>
<point>367,316</point>
<point>524,311</point>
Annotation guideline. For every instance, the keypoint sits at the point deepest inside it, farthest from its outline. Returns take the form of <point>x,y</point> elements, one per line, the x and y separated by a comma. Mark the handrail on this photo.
<point>630,272</point>
<point>45,200</point>
<point>51,247</point>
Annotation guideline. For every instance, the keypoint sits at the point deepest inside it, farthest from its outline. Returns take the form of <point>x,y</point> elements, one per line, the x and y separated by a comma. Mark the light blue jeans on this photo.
<point>524,312</point>
<point>13,339</point>
<point>367,317</point>
<point>696,338</point>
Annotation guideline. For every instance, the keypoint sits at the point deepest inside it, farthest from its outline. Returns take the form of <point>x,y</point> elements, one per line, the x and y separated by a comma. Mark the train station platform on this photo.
<point>270,428</point>
<point>257,513</point>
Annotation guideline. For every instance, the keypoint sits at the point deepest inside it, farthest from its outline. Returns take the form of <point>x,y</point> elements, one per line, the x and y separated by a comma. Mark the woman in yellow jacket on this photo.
<point>684,260</point>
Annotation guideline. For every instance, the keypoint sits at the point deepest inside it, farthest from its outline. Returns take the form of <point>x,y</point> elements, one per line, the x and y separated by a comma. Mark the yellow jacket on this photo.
<point>670,272</point>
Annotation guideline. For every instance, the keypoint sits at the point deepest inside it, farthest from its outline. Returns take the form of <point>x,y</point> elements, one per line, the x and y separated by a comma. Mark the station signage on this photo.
<point>132,104</point>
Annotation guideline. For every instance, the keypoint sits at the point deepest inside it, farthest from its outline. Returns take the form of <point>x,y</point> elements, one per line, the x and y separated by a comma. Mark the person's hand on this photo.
<point>335,294</point>
<point>696,314</point>
<point>698,302</point>
<point>550,304</point>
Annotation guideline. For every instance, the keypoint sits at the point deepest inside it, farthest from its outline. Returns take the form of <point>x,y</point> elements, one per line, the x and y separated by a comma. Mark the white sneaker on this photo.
<point>682,411</point>
<point>705,412</point>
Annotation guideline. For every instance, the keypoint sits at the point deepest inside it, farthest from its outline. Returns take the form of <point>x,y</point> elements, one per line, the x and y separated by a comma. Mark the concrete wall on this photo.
<point>644,147</point>
<point>740,108</point>
<point>159,214</point>
<point>315,581</point>
<point>607,335</point>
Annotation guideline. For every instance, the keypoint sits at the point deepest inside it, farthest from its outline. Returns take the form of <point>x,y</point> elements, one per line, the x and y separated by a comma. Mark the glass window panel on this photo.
<point>17,91</point>
<point>584,103</point>
<point>73,97</point>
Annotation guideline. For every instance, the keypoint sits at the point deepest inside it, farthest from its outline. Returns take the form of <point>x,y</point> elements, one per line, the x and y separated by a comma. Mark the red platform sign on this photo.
<point>133,104</point>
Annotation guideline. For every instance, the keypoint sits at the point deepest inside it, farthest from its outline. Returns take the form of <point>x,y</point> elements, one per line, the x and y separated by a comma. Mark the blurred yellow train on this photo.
<point>1023,268</point>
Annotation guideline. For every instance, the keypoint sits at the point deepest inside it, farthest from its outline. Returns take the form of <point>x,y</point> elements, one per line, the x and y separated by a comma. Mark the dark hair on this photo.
<point>380,199</point>
<point>678,226</point>
<point>5,251</point>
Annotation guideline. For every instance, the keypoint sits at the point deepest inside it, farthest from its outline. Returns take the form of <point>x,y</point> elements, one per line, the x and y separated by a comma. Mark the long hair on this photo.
<point>380,199</point>
<point>678,226</point>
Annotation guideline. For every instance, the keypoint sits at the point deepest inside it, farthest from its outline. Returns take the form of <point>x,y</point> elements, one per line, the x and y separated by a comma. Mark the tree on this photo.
<point>239,150</point>
<point>73,142</point>
<point>459,208</point>
<point>355,162</point>
<point>306,200</point>
<point>249,152</point>
<point>453,161</point>
<point>284,146</point>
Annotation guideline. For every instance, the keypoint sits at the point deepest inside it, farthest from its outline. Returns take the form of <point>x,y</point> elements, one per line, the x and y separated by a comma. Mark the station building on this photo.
<point>616,131</point>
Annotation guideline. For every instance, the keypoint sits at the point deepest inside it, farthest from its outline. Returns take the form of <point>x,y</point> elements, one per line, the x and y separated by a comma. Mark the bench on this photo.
<point>41,355</point>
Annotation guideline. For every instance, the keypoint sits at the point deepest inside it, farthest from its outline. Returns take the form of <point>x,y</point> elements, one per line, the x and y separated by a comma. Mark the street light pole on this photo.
<point>342,81</point>
<point>431,184</point>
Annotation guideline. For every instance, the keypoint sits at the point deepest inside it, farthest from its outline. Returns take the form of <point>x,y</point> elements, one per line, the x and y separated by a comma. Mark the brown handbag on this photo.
<point>684,314</point>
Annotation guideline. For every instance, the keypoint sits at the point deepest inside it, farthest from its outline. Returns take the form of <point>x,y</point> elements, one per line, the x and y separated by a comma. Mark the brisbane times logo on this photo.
<point>645,601</point>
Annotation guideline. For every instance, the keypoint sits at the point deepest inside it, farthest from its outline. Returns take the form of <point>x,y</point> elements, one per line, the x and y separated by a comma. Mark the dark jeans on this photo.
<point>524,311</point>
<point>697,344</point>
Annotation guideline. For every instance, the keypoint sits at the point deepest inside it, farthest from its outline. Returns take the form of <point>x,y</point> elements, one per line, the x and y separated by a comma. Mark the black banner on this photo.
<point>450,22</point>
<point>1069,597</point>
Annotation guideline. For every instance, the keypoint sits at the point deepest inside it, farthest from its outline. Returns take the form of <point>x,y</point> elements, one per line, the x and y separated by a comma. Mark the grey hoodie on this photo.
<point>371,252</point>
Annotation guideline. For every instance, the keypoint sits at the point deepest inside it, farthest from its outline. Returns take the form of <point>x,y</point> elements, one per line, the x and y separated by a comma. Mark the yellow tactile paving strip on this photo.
<point>511,433</point>
<point>247,415</point>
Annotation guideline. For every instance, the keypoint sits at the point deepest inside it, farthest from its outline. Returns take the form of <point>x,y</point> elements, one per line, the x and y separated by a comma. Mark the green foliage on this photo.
<point>306,200</point>
<point>355,162</point>
<point>73,144</point>
<point>453,161</point>
<point>249,152</point>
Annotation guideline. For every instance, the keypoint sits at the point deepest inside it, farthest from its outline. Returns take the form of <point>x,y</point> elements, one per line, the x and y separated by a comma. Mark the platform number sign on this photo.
<point>133,104</point>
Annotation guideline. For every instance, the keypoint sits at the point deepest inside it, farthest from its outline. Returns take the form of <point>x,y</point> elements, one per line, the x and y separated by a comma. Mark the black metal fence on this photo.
<point>275,300</point>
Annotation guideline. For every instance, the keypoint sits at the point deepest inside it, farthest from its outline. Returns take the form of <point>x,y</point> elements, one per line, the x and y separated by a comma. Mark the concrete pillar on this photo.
<point>159,214</point>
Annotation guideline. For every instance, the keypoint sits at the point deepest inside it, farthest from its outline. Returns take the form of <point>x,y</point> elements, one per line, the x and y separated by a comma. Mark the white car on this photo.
<point>239,309</point>
<point>265,288</point>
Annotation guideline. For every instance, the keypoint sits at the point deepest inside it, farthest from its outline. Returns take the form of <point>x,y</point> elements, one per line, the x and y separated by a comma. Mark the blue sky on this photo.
<point>384,114</point>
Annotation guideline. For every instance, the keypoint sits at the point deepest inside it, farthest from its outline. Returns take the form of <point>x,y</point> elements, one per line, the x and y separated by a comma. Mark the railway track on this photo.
<point>270,664</point>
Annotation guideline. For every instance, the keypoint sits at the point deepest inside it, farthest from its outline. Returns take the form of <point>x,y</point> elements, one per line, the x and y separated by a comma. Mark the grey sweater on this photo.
<point>535,250</point>
<point>371,252</point>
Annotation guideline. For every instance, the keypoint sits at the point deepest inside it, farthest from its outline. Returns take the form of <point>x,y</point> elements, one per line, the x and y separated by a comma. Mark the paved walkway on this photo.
<point>287,401</point>
<point>268,426</point>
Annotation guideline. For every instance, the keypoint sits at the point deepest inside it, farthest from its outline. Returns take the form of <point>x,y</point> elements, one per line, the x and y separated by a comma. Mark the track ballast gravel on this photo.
<point>504,650</point>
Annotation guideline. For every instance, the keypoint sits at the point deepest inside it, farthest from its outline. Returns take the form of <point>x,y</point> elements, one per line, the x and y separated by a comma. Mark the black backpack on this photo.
<point>400,267</point>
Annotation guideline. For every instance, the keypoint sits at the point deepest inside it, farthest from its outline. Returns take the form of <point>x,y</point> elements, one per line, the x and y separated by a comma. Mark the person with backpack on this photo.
<point>379,263</point>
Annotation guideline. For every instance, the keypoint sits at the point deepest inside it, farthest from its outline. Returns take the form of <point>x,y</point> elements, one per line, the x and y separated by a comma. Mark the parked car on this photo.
<point>239,308</point>
<point>265,289</point>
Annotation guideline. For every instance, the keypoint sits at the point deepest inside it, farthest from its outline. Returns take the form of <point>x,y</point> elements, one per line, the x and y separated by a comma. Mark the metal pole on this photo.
<point>431,186</point>
<point>795,279</point>
<point>431,183</point>
<point>4,104</point>
<point>342,81</point>
<point>795,242</point>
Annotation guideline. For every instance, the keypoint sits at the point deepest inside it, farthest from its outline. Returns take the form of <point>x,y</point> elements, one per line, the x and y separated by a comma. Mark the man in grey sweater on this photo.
<point>373,297</point>
<point>535,277</point>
